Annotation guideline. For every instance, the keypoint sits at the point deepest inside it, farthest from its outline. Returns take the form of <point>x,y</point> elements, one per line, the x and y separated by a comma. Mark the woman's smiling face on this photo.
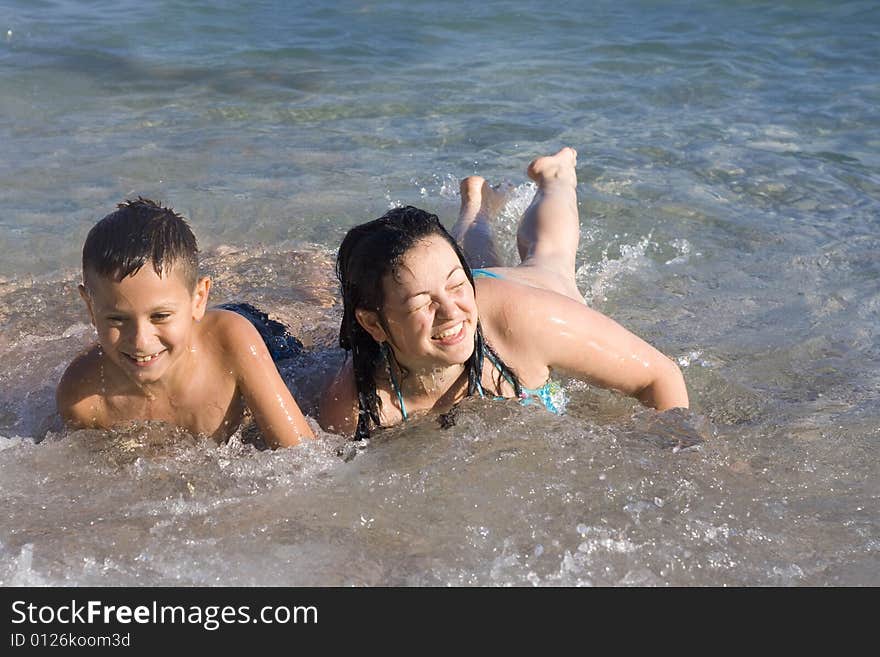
<point>429,316</point>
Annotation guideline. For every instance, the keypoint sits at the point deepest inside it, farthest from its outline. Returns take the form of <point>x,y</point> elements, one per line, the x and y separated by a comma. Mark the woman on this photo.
<point>424,330</point>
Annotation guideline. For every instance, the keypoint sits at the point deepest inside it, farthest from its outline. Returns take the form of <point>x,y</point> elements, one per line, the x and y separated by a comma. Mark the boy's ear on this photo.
<point>369,320</point>
<point>200,298</point>
<point>84,295</point>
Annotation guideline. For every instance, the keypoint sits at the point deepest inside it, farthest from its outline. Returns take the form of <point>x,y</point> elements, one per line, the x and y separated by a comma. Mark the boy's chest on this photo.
<point>205,403</point>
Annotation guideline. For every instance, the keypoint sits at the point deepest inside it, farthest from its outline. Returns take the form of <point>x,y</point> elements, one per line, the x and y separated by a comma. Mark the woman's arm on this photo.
<point>547,329</point>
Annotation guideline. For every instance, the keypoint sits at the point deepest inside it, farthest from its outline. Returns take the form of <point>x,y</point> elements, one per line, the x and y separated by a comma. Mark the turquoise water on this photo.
<point>276,120</point>
<point>729,180</point>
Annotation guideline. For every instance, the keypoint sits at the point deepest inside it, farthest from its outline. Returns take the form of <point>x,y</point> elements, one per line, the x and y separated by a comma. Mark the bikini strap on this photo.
<point>385,353</point>
<point>480,389</point>
<point>498,367</point>
<point>484,273</point>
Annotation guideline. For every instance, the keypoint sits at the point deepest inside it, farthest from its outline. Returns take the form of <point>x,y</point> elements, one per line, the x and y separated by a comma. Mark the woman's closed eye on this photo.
<point>420,305</point>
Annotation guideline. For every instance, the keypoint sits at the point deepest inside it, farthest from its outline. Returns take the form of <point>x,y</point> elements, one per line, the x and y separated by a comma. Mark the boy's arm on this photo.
<point>339,406</point>
<point>573,338</point>
<point>277,414</point>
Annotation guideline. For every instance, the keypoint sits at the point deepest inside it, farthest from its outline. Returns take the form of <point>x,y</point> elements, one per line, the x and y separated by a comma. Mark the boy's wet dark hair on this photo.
<point>366,255</point>
<point>137,232</point>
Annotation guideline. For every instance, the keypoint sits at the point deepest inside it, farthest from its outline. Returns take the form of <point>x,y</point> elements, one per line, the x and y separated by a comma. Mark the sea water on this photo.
<point>729,167</point>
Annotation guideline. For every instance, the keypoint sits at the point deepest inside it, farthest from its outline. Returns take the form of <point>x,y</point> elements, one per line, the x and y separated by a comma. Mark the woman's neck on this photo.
<point>428,385</point>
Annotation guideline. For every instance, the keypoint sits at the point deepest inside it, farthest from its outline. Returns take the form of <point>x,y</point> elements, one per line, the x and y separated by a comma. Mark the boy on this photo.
<point>160,354</point>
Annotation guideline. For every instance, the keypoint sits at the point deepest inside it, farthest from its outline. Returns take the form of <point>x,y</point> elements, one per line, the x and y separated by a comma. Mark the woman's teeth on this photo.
<point>448,333</point>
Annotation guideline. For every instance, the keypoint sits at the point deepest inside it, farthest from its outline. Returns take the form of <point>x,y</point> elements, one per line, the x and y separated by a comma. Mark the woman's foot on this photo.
<point>557,167</point>
<point>481,200</point>
<point>471,197</point>
<point>548,235</point>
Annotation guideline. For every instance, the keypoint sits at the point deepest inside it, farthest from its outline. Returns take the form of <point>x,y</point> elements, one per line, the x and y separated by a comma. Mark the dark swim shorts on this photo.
<point>280,343</point>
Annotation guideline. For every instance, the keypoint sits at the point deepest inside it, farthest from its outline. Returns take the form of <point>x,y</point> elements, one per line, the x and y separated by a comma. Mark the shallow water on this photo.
<point>729,174</point>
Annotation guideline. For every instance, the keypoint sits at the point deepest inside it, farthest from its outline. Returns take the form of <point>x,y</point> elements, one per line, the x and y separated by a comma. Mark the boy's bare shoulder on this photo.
<point>79,394</point>
<point>83,375</point>
<point>228,330</point>
<point>232,339</point>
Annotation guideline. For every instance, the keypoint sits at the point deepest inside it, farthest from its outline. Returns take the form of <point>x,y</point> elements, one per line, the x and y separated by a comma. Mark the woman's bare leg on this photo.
<point>480,204</point>
<point>548,235</point>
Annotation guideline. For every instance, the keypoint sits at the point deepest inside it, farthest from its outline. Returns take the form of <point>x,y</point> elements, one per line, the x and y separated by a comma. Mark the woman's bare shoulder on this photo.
<point>513,312</point>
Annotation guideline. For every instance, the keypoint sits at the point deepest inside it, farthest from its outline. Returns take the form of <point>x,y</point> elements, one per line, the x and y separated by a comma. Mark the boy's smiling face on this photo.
<point>145,321</point>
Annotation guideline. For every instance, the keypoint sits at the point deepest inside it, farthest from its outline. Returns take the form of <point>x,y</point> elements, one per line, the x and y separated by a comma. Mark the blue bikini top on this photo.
<point>551,394</point>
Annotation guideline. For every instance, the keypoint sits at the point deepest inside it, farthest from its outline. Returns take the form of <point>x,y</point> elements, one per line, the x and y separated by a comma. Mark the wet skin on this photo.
<point>533,330</point>
<point>161,355</point>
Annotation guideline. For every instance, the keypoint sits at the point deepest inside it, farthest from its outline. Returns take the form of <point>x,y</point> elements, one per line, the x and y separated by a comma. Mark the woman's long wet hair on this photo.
<point>366,255</point>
